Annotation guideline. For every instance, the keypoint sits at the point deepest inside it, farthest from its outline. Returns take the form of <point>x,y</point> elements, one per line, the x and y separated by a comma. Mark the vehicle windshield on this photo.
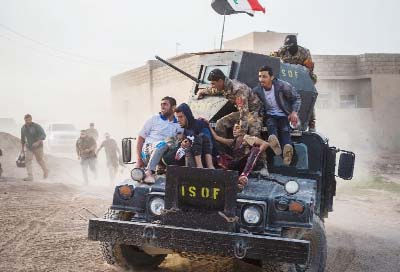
<point>63,127</point>
<point>224,68</point>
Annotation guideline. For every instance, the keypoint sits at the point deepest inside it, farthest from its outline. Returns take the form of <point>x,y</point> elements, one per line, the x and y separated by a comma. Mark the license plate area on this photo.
<point>195,189</point>
<point>204,194</point>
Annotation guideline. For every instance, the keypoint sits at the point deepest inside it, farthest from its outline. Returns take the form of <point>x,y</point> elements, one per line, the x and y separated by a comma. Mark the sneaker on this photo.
<point>275,145</point>
<point>149,179</point>
<point>287,154</point>
<point>28,179</point>
<point>264,172</point>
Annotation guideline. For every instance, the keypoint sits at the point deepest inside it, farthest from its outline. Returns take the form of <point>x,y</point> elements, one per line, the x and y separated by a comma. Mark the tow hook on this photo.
<point>240,249</point>
<point>149,233</point>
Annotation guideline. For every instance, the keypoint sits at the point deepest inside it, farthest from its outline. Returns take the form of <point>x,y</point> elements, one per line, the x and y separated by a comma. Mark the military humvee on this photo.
<point>275,222</point>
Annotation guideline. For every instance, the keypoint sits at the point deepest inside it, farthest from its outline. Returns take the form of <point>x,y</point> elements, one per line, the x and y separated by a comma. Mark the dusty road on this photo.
<point>42,228</point>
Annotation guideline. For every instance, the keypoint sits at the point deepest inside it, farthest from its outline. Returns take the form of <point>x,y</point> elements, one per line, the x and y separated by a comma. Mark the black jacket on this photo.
<point>287,98</point>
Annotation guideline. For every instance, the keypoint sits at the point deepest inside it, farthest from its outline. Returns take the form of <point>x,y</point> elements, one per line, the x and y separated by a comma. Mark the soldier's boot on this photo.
<point>311,126</point>
<point>287,154</point>
<point>275,145</point>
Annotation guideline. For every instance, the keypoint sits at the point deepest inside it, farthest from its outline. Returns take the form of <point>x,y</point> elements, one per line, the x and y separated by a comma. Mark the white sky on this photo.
<point>47,78</point>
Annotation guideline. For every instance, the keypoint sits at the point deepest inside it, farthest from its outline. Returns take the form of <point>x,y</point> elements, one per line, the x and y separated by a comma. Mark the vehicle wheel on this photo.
<point>318,250</point>
<point>127,256</point>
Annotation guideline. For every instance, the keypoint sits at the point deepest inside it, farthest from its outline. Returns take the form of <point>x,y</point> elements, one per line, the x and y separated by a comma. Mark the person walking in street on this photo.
<point>86,150</point>
<point>32,137</point>
<point>112,155</point>
<point>92,132</point>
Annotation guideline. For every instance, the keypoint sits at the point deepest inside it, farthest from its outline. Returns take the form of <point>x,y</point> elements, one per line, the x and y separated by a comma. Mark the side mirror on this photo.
<point>127,150</point>
<point>346,165</point>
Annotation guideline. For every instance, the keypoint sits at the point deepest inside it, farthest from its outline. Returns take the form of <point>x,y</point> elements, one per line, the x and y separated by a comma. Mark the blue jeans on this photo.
<point>279,126</point>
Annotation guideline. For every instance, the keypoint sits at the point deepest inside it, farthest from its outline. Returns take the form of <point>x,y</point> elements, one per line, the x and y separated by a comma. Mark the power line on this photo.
<point>70,54</point>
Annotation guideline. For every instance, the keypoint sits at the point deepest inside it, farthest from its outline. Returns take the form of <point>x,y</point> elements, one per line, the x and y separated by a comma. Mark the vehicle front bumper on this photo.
<point>200,241</point>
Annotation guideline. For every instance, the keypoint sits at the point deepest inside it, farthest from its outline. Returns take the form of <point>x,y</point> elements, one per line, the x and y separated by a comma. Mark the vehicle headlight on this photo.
<point>137,174</point>
<point>126,191</point>
<point>252,215</point>
<point>157,205</point>
<point>292,187</point>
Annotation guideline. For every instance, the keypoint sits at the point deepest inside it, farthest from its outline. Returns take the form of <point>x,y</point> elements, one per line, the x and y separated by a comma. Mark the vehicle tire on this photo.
<point>318,250</point>
<point>127,256</point>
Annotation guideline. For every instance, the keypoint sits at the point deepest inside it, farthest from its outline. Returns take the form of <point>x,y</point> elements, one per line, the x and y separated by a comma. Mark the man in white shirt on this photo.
<point>151,143</point>
<point>281,105</point>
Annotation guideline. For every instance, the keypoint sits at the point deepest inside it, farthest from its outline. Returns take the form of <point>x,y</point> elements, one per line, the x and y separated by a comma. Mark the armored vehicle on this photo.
<point>275,222</point>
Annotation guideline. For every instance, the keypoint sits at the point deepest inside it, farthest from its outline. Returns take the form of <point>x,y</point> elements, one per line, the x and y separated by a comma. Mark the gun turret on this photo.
<point>179,70</point>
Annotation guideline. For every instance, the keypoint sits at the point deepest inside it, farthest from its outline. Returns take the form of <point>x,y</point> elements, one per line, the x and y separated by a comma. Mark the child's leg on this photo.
<point>207,150</point>
<point>199,163</point>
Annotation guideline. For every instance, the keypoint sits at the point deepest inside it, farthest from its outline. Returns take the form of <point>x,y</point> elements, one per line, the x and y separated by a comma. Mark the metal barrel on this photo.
<point>178,69</point>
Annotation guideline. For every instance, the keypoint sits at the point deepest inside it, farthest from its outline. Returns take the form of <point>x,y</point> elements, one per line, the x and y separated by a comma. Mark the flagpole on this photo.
<point>223,29</point>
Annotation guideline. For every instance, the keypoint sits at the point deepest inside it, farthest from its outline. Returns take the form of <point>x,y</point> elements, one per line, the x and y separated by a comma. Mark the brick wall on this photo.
<point>348,65</point>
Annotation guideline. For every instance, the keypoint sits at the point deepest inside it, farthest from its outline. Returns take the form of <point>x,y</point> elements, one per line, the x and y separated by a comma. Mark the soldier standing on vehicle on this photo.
<point>112,155</point>
<point>86,151</point>
<point>93,132</point>
<point>151,144</point>
<point>281,105</point>
<point>293,53</point>
<point>32,137</point>
<point>246,101</point>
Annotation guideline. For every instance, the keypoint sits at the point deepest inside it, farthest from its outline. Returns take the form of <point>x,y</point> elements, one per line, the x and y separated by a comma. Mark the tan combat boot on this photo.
<point>275,145</point>
<point>287,154</point>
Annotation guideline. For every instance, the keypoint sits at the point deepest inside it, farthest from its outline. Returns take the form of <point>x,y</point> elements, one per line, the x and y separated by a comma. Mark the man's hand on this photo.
<point>293,119</point>
<point>243,180</point>
<point>79,158</point>
<point>36,144</point>
<point>200,94</point>
<point>139,163</point>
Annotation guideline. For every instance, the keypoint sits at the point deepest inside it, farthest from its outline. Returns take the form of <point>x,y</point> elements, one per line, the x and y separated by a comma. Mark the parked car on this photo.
<point>61,137</point>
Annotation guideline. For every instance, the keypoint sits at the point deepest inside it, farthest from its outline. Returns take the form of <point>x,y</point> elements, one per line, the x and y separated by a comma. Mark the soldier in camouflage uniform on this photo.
<point>293,53</point>
<point>246,101</point>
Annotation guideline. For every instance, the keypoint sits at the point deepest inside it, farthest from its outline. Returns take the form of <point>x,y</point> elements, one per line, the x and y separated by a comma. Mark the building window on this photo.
<point>348,101</point>
<point>324,101</point>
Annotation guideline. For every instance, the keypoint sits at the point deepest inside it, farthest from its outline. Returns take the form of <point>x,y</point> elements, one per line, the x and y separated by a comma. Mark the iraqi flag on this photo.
<point>229,7</point>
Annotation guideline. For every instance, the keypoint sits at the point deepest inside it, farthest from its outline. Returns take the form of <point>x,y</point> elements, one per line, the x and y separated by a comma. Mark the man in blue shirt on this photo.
<point>32,137</point>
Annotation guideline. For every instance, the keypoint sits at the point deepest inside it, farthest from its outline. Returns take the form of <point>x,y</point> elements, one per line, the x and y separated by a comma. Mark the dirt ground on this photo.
<point>44,228</point>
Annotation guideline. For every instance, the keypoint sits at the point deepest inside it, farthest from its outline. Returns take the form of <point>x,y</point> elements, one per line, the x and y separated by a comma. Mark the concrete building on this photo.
<point>356,106</point>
